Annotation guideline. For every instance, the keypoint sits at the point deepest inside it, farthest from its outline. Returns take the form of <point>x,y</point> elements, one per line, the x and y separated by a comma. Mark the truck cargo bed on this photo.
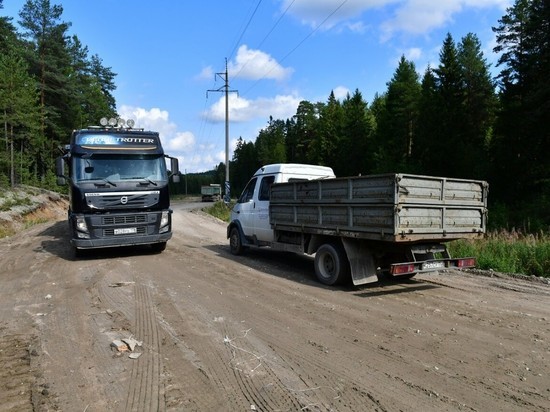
<point>389,207</point>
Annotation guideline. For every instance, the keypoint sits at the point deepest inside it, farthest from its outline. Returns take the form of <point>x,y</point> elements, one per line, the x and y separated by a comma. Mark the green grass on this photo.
<point>220,210</point>
<point>7,204</point>
<point>509,252</point>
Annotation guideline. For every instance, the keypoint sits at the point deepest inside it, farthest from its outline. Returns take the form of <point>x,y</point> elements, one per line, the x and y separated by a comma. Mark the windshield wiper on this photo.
<point>147,181</point>
<point>105,180</point>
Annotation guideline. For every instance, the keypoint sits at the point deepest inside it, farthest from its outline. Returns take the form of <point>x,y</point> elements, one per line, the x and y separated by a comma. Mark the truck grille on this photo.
<point>124,219</point>
<point>122,200</point>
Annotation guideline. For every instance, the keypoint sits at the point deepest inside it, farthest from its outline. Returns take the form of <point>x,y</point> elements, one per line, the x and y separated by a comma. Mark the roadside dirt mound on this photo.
<point>24,206</point>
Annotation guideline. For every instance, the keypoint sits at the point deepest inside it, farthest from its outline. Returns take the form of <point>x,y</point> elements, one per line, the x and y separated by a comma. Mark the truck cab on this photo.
<point>118,186</point>
<point>250,215</point>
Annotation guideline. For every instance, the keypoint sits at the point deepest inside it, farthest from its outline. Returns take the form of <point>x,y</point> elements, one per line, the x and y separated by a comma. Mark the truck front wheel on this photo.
<point>331,264</point>
<point>235,242</point>
<point>158,247</point>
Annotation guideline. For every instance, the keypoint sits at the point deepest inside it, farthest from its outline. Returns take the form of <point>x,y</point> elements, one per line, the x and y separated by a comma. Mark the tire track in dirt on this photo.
<point>197,383</point>
<point>146,392</point>
<point>231,377</point>
<point>254,373</point>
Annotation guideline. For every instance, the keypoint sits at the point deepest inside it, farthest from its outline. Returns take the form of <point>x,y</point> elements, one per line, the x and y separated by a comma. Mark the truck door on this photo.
<point>245,208</point>
<point>262,227</point>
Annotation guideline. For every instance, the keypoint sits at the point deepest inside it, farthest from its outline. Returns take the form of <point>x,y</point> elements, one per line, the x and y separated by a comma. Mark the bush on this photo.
<point>512,252</point>
<point>220,210</point>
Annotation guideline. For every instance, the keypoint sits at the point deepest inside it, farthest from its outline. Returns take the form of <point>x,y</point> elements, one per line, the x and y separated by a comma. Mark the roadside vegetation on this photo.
<point>219,210</point>
<point>508,252</point>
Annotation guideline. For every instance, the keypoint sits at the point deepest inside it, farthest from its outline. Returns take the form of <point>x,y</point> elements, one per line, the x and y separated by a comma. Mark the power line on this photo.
<point>266,36</point>
<point>244,30</point>
<point>298,45</point>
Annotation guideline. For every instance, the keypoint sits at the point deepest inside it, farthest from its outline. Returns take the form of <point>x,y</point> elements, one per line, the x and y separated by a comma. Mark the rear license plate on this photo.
<point>126,231</point>
<point>433,265</point>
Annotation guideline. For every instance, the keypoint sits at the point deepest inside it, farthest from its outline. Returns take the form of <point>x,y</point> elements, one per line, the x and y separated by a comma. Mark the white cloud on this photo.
<point>255,64</point>
<point>157,120</point>
<point>182,141</point>
<point>153,119</point>
<point>341,92</point>
<point>242,110</point>
<point>314,12</point>
<point>409,16</point>
<point>206,73</point>
<point>413,54</point>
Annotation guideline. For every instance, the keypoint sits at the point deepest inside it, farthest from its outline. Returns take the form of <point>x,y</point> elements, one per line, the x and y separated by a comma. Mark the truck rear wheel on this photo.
<point>331,264</point>
<point>235,242</point>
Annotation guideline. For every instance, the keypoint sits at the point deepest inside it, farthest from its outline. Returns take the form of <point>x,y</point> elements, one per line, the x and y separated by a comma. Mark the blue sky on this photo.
<point>166,55</point>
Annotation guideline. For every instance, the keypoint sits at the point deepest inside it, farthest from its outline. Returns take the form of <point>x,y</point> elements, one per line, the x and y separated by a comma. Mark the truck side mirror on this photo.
<point>175,169</point>
<point>60,171</point>
<point>174,166</point>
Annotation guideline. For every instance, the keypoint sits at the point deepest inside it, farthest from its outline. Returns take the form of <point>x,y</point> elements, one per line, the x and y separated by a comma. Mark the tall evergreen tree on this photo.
<point>397,120</point>
<point>305,129</point>
<point>522,167</point>
<point>329,132</point>
<point>479,106</point>
<point>429,128</point>
<point>50,61</point>
<point>245,163</point>
<point>450,86</point>
<point>19,114</point>
<point>270,143</point>
<point>356,151</point>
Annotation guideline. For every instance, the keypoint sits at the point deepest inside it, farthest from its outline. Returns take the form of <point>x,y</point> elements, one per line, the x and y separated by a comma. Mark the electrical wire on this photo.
<point>236,76</point>
<point>297,46</point>
<point>244,30</point>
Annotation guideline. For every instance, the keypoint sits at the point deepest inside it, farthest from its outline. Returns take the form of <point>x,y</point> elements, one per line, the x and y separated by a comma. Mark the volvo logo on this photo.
<point>124,200</point>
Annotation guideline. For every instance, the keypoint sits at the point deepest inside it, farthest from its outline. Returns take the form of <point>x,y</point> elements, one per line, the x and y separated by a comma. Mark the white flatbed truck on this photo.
<point>361,227</point>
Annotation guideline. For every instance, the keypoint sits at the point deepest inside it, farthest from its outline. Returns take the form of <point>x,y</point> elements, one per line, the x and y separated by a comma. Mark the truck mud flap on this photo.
<point>361,261</point>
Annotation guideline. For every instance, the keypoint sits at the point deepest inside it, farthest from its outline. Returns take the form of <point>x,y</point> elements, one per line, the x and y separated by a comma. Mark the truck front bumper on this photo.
<point>120,241</point>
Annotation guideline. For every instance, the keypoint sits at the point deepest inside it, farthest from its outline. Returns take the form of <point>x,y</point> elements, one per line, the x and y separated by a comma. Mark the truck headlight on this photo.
<point>80,224</point>
<point>164,222</point>
<point>82,231</point>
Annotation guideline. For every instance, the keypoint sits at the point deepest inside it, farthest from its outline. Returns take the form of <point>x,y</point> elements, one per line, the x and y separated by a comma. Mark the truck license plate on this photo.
<point>126,231</point>
<point>433,265</point>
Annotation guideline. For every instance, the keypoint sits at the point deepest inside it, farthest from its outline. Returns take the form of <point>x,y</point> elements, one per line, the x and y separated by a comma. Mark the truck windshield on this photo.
<point>117,168</point>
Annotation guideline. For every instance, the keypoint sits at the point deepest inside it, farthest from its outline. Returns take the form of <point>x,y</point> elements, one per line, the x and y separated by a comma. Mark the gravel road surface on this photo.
<point>216,332</point>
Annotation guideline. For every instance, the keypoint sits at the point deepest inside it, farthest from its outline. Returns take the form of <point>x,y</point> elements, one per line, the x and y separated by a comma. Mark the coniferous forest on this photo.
<point>456,119</point>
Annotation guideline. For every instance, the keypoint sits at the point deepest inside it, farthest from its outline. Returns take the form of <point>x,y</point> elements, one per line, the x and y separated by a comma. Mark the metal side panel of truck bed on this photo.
<point>389,207</point>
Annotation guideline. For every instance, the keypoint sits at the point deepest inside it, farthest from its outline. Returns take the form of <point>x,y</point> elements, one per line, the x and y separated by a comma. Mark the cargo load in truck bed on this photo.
<point>389,207</point>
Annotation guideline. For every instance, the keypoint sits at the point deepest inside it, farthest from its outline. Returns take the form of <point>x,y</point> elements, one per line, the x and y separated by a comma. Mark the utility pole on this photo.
<point>224,76</point>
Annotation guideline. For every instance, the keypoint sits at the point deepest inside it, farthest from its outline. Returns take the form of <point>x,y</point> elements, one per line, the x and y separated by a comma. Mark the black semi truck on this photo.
<point>118,186</point>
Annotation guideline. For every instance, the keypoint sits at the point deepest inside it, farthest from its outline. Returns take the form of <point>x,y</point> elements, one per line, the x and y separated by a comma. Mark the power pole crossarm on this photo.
<point>226,90</point>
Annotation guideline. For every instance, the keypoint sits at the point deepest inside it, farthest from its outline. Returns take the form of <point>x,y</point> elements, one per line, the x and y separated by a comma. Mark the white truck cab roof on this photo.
<point>295,171</point>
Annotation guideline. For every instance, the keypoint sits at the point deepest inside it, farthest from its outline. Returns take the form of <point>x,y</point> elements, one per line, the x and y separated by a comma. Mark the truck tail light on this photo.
<point>402,269</point>
<point>466,262</point>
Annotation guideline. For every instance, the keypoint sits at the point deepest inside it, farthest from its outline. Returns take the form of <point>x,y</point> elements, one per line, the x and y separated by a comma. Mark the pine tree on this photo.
<point>19,113</point>
<point>397,120</point>
<point>429,128</point>
<point>479,106</point>
<point>522,141</point>
<point>356,152</point>
<point>50,63</point>
<point>450,86</point>
<point>330,132</point>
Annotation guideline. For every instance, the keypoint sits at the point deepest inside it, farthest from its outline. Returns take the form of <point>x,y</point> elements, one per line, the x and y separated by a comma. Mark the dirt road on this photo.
<point>257,332</point>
